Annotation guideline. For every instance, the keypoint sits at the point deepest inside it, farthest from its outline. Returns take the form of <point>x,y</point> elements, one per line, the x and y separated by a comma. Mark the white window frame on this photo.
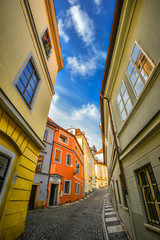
<point>64,136</point>
<point>75,192</point>
<point>124,104</point>
<point>55,155</point>
<point>69,187</point>
<point>137,70</point>
<point>71,159</point>
<point>79,188</point>
<point>11,155</point>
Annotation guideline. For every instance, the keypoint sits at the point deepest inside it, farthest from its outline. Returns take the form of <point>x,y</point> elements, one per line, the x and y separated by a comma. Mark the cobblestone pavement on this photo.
<point>82,221</point>
<point>114,227</point>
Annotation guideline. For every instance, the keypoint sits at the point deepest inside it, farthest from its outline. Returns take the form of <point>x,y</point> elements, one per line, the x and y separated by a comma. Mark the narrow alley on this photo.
<point>84,220</point>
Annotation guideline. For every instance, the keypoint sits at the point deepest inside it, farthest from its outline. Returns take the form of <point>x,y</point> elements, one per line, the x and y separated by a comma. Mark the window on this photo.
<point>123,192</point>
<point>57,157</point>
<point>4,165</point>
<point>82,189</point>
<point>45,135</point>
<point>75,187</point>
<point>101,183</point>
<point>47,43</point>
<point>100,175</point>
<point>124,102</point>
<point>78,188</point>
<point>82,171</point>
<point>63,138</point>
<point>69,160</point>
<point>27,83</point>
<point>67,187</point>
<point>76,149</point>
<point>119,197</point>
<point>39,164</point>
<point>151,194</point>
<point>77,167</point>
<point>139,69</point>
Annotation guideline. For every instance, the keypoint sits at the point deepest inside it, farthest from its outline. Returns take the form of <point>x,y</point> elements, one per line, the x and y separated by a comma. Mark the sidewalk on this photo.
<point>114,227</point>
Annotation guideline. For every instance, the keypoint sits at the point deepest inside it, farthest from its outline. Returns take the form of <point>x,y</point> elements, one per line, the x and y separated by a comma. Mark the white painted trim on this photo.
<point>71,159</point>
<point>55,155</point>
<point>12,156</point>
<point>69,187</point>
<point>78,179</point>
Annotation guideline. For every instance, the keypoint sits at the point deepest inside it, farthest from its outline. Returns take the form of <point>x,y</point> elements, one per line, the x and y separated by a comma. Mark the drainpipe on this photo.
<point>115,142</point>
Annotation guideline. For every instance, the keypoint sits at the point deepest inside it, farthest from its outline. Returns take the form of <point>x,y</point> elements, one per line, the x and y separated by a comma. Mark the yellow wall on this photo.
<point>14,204</point>
<point>101,175</point>
<point>17,43</point>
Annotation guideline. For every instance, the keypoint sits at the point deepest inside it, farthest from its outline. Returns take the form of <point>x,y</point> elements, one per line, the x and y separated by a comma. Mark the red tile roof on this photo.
<point>100,151</point>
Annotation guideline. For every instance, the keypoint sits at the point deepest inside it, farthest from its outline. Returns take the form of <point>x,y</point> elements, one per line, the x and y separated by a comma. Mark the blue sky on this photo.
<point>84,28</point>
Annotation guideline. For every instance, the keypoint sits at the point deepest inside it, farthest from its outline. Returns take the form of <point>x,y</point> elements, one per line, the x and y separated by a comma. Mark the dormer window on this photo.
<point>47,43</point>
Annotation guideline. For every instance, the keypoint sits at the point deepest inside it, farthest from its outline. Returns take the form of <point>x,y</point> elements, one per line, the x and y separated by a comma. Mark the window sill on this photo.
<point>153,228</point>
<point>125,208</point>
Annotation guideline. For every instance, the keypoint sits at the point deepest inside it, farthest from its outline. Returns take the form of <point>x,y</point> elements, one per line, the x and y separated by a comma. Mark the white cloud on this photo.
<point>83,25</point>
<point>87,65</point>
<point>61,29</point>
<point>72,2</point>
<point>55,98</point>
<point>87,118</point>
<point>98,5</point>
<point>86,111</point>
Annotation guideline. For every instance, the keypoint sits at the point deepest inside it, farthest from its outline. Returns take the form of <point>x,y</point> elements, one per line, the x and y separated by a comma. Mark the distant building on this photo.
<point>66,183</point>
<point>99,155</point>
<point>130,116</point>
<point>100,174</point>
<point>40,187</point>
<point>89,173</point>
<point>30,59</point>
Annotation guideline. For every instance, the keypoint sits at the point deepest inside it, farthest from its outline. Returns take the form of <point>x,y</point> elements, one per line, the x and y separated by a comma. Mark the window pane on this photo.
<point>3,165</point>
<point>24,79</point>
<point>27,73</point>
<point>129,106</point>
<point>134,77</point>
<point>30,90</point>
<point>139,86</point>
<point>58,155</point>
<point>20,86</point>
<point>75,187</point>
<point>123,88</point>
<point>140,61</point>
<point>30,67</point>
<point>27,97</point>
<point>67,185</point>
<point>146,70</point>
<point>125,96</point>
<point>121,107</point>
<point>135,52</point>
<point>32,83</point>
<point>129,69</point>
<point>34,76</point>
<point>124,115</point>
<point>118,98</point>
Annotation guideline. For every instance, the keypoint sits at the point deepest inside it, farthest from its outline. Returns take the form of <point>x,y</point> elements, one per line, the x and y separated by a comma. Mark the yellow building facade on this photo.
<point>30,59</point>
<point>100,175</point>
<point>89,173</point>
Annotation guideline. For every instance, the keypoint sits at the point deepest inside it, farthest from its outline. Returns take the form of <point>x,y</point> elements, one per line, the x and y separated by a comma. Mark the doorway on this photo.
<point>53,194</point>
<point>33,197</point>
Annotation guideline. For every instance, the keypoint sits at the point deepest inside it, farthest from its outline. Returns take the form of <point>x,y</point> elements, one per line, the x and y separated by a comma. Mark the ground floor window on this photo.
<point>82,189</point>
<point>75,188</point>
<point>119,197</point>
<point>67,187</point>
<point>151,194</point>
<point>4,164</point>
<point>78,188</point>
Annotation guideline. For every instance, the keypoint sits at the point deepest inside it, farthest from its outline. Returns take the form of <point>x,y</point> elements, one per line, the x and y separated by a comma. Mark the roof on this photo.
<point>100,151</point>
<point>52,123</point>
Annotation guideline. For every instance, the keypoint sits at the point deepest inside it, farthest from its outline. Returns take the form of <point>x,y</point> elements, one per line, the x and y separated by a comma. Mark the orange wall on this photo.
<point>67,171</point>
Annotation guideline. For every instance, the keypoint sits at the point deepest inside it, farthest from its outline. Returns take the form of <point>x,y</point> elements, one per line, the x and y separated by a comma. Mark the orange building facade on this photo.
<point>66,171</point>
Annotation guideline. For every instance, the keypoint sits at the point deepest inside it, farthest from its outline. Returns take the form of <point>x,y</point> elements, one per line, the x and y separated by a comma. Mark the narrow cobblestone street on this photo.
<point>79,221</point>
